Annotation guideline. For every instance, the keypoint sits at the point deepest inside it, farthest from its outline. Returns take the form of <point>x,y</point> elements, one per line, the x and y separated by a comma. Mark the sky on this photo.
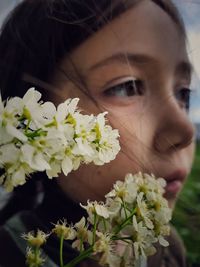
<point>190,11</point>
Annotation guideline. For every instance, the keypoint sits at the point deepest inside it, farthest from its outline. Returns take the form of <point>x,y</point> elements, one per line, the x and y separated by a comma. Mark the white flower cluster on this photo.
<point>139,214</point>
<point>124,229</point>
<point>133,218</point>
<point>37,136</point>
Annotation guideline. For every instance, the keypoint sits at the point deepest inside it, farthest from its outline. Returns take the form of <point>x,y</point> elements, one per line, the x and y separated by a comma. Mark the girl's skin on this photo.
<point>144,45</point>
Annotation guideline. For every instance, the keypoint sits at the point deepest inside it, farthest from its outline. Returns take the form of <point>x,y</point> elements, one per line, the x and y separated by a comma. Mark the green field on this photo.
<point>187,213</point>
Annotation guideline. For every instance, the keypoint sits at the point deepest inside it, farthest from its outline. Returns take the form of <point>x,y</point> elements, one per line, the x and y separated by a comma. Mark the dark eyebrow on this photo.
<point>125,58</point>
<point>184,69</point>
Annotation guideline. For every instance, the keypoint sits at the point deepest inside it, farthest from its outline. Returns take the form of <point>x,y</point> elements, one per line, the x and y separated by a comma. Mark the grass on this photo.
<point>187,213</point>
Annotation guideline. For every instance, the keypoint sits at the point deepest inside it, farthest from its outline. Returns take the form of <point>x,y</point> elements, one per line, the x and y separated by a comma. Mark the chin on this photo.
<point>172,199</point>
<point>172,203</point>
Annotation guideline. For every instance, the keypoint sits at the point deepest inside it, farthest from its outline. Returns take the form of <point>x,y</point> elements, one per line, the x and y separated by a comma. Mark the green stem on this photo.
<point>124,206</point>
<point>61,250</point>
<point>121,238</point>
<point>94,229</point>
<point>125,222</point>
<point>27,126</point>
<point>36,251</point>
<point>81,257</point>
<point>104,224</point>
<point>81,244</point>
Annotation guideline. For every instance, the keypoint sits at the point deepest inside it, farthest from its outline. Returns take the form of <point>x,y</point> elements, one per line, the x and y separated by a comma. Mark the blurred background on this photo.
<point>187,213</point>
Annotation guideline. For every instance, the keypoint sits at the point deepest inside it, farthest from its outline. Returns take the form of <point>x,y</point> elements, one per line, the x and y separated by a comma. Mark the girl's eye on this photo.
<point>126,89</point>
<point>183,96</point>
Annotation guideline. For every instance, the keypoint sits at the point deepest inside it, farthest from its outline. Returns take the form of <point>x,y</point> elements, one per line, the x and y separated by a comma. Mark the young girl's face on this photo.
<point>137,69</point>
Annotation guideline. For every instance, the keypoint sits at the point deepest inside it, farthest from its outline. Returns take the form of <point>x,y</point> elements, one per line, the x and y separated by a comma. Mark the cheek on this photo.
<point>136,138</point>
<point>134,122</point>
<point>94,182</point>
<point>189,154</point>
<point>105,176</point>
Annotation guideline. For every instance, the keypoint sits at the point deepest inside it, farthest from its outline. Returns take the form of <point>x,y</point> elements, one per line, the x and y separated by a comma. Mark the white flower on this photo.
<point>65,112</point>
<point>119,191</point>
<point>104,249</point>
<point>4,136</point>
<point>71,105</point>
<point>48,111</point>
<point>12,131</point>
<point>9,154</point>
<point>102,211</point>
<point>143,238</point>
<point>125,191</point>
<point>35,111</point>
<point>13,107</point>
<point>34,158</point>
<point>83,235</point>
<point>162,230</point>
<point>94,208</point>
<point>55,169</point>
<point>15,176</point>
<point>163,242</point>
<point>84,126</point>
<point>114,208</point>
<point>36,239</point>
<point>19,177</point>
<point>83,147</point>
<point>143,211</point>
<point>163,213</point>
<point>107,147</point>
<point>139,197</point>
<point>103,243</point>
<point>33,258</point>
<point>67,165</point>
<point>106,143</point>
<point>53,140</point>
<point>154,184</point>
<point>9,121</point>
<point>61,229</point>
<point>16,170</point>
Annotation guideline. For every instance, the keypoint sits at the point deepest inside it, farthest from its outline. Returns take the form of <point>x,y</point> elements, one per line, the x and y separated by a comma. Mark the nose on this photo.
<point>175,130</point>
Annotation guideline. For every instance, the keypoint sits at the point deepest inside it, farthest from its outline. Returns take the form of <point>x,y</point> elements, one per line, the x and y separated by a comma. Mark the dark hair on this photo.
<point>37,35</point>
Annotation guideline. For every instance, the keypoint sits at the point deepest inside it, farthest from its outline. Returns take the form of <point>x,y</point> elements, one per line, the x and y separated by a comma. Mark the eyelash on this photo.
<point>127,88</point>
<point>135,87</point>
<point>183,96</point>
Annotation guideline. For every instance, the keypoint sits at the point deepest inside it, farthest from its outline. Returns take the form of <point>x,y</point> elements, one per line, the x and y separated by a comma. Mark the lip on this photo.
<point>175,182</point>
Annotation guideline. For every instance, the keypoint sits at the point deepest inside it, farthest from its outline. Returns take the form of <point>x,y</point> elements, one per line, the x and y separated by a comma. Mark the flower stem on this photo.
<point>61,250</point>
<point>36,252</point>
<point>81,244</point>
<point>81,257</point>
<point>27,126</point>
<point>125,222</point>
<point>104,224</point>
<point>126,238</point>
<point>124,206</point>
<point>94,229</point>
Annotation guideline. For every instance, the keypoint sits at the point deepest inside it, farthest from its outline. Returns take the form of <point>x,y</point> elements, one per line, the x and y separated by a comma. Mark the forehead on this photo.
<point>144,29</point>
